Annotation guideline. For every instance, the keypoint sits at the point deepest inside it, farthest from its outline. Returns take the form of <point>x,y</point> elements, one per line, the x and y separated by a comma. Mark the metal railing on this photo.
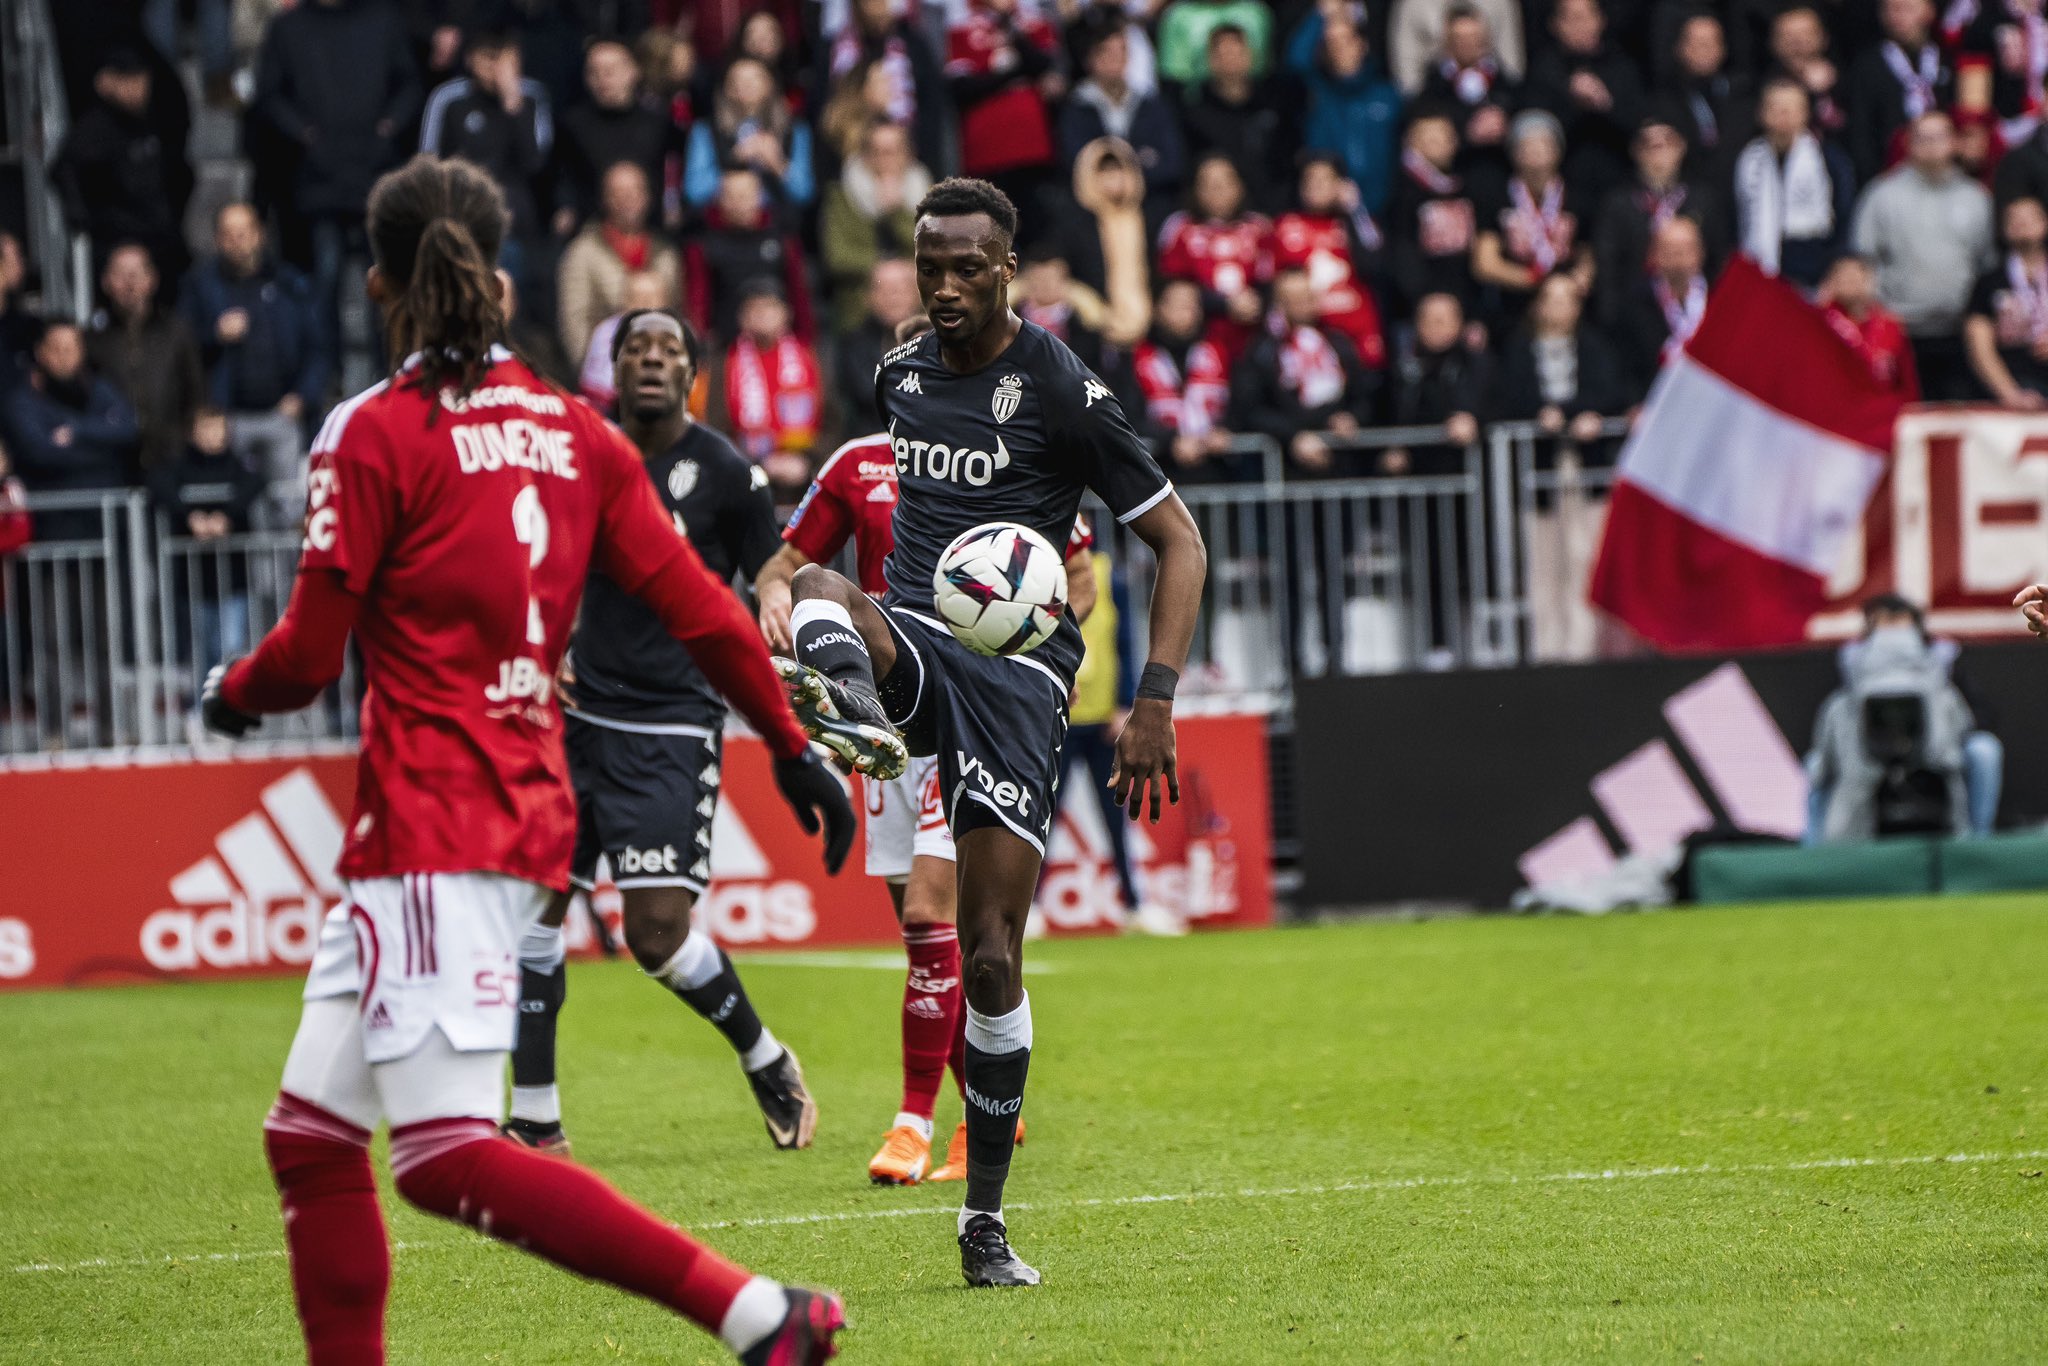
<point>39,116</point>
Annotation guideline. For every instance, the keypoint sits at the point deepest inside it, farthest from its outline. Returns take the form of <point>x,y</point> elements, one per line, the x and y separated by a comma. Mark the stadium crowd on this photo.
<point>1291,219</point>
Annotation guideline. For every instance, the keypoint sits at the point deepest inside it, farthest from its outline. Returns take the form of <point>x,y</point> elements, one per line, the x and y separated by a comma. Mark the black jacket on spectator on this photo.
<point>1429,387</point>
<point>593,139</point>
<point>284,350</point>
<point>121,181</point>
<point>1596,141</point>
<point>1261,137</point>
<point>1621,240</point>
<point>1439,95</point>
<point>1716,116</point>
<point>1154,133</point>
<point>337,82</point>
<point>1604,382</point>
<point>67,441</point>
<point>1260,400</point>
<point>853,376</point>
<point>724,260</point>
<point>464,120</point>
<point>156,368</point>
<point>2023,171</point>
<point>198,482</point>
<point>1640,332</point>
<point>1875,102</point>
<point>1429,238</point>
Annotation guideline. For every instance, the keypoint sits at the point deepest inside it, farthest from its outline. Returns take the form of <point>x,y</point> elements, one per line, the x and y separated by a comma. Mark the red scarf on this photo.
<point>1426,174</point>
<point>633,248</point>
<point>1681,316</point>
<point>1540,234</point>
<point>772,396</point>
<point>1310,369</point>
<point>1190,403</point>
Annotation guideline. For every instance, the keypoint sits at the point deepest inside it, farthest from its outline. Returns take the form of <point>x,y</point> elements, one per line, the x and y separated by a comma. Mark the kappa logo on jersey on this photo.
<point>937,460</point>
<point>258,899</point>
<point>1001,792</point>
<point>1009,393</point>
<point>910,384</point>
<point>682,477</point>
<point>1094,389</point>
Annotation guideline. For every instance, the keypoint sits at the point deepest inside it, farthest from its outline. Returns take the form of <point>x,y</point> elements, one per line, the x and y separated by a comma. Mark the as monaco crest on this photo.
<point>1009,393</point>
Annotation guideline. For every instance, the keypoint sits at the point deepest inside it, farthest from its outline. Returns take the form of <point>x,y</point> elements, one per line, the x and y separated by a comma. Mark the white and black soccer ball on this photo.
<point>1001,588</point>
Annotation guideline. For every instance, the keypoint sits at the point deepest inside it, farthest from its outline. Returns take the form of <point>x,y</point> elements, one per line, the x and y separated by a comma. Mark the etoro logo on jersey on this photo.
<point>939,460</point>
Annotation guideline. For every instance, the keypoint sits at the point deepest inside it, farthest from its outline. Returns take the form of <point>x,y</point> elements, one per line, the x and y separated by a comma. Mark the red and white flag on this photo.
<point>1748,470</point>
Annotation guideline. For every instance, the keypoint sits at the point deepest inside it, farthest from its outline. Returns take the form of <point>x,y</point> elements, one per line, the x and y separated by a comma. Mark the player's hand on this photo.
<point>818,799</point>
<point>775,601</point>
<point>2033,605</point>
<point>1144,758</point>
<point>215,713</point>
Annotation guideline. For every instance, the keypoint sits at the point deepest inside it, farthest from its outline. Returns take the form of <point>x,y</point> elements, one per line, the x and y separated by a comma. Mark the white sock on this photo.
<point>766,1049</point>
<point>756,1311</point>
<point>967,1215</point>
<point>819,609</point>
<point>540,1104</point>
<point>1001,1033</point>
<point>540,948</point>
<point>921,1123</point>
<point>692,965</point>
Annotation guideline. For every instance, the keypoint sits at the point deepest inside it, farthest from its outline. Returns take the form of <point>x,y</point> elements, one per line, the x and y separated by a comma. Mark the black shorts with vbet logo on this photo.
<point>646,793</point>
<point>996,725</point>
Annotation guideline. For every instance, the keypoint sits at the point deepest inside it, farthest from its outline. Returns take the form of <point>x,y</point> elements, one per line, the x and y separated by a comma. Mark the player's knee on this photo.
<point>816,581</point>
<point>989,976</point>
<point>654,933</point>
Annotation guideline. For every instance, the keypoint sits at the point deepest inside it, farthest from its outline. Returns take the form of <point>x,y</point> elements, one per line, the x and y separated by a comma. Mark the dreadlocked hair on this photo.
<point>435,227</point>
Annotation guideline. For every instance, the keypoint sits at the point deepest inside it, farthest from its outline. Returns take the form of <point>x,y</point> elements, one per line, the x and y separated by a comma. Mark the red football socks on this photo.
<point>461,1169</point>
<point>931,1014</point>
<point>340,1259</point>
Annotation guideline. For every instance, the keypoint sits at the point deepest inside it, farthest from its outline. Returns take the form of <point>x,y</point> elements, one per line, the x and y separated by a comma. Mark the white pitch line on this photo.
<point>1401,1183</point>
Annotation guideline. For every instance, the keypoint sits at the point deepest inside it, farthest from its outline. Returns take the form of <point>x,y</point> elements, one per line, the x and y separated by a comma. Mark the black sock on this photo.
<point>827,641</point>
<point>995,1100</point>
<point>540,1003</point>
<point>723,1001</point>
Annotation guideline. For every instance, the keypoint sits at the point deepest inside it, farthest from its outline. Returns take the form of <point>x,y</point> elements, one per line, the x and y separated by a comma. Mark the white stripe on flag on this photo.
<point>1722,458</point>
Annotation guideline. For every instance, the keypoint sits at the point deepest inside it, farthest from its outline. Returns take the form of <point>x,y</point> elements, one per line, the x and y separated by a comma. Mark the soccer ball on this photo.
<point>1001,588</point>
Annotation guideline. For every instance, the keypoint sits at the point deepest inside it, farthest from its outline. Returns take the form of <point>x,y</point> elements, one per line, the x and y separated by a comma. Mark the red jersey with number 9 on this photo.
<point>467,526</point>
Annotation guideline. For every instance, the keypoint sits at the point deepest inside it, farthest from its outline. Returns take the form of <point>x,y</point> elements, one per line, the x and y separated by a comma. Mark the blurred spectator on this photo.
<point>877,34</point>
<point>2004,39</point>
<point>1591,88</point>
<point>643,289</point>
<point>534,341</point>
<point>2006,330</point>
<point>554,33</point>
<point>1893,84</point>
<point>591,283</point>
<point>1253,120</point>
<point>1416,36</point>
<point>1430,225</point>
<point>1531,223</point>
<point>1332,238</point>
<point>668,69</point>
<point>1468,86</point>
<point>1559,372</point>
<point>870,213</point>
<point>1799,53</point>
<point>891,298</point>
<point>498,118</point>
<point>1707,103</point>
<point>69,430</point>
<point>1185,27</point>
<point>1046,293</point>
<point>17,528</point>
<point>1438,378</point>
<point>750,125</point>
<point>1102,236</point>
<point>19,327</point>
<point>772,390</point>
<point>120,180</point>
<point>147,353</point>
<point>1632,214</point>
<point>1185,383</point>
<point>1659,312</point>
<point>261,340</point>
<point>1001,68</point>
<point>1103,104</point>
<point>214,47</point>
<point>1302,379</point>
<point>721,25</point>
<point>1927,229</point>
<point>1848,300</point>
<point>763,38</point>
<point>335,82</point>
<point>863,97</point>
<point>1353,110</point>
<point>203,492</point>
<point>742,242</point>
<point>1226,250</point>
<point>2023,170</point>
<point>1792,191</point>
<point>619,122</point>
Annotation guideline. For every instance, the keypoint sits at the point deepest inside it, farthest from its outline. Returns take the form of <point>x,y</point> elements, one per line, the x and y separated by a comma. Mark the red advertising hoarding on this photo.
<point>200,868</point>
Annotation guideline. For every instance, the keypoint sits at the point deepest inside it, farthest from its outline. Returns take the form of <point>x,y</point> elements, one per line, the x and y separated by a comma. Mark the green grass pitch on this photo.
<point>1697,1136</point>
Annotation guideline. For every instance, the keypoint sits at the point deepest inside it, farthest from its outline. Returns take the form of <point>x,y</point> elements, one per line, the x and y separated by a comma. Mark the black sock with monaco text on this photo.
<point>998,1058</point>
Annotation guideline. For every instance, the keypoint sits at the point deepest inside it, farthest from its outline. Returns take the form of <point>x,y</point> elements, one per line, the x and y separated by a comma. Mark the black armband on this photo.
<point>1157,683</point>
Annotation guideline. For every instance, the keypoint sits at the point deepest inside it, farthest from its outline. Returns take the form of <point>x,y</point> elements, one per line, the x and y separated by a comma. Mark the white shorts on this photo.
<point>428,950</point>
<point>906,820</point>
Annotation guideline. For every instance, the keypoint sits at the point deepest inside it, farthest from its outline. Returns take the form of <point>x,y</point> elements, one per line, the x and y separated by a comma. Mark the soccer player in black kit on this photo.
<point>992,419</point>
<point>643,738</point>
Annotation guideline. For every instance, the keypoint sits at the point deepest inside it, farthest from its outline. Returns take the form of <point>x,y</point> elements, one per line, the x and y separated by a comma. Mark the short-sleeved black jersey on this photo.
<point>1017,441</point>
<point>627,667</point>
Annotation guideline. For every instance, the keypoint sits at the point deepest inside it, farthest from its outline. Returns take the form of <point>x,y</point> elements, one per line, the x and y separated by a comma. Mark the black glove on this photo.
<point>214,711</point>
<point>813,793</point>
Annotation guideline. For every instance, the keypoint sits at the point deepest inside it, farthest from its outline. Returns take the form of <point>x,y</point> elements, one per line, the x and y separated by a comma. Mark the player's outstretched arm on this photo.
<point>772,591</point>
<point>292,664</point>
<point>1145,746</point>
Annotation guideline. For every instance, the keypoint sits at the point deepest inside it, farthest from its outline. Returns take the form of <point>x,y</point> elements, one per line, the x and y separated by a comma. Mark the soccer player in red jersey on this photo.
<point>908,845</point>
<point>453,514</point>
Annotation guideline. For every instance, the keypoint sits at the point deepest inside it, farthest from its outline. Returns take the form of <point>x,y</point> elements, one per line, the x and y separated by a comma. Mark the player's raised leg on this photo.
<point>844,679</point>
<point>536,1117</point>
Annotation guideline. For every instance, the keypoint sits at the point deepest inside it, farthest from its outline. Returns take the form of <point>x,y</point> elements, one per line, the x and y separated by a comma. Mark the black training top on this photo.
<point>1017,441</point>
<point>627,666</point>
